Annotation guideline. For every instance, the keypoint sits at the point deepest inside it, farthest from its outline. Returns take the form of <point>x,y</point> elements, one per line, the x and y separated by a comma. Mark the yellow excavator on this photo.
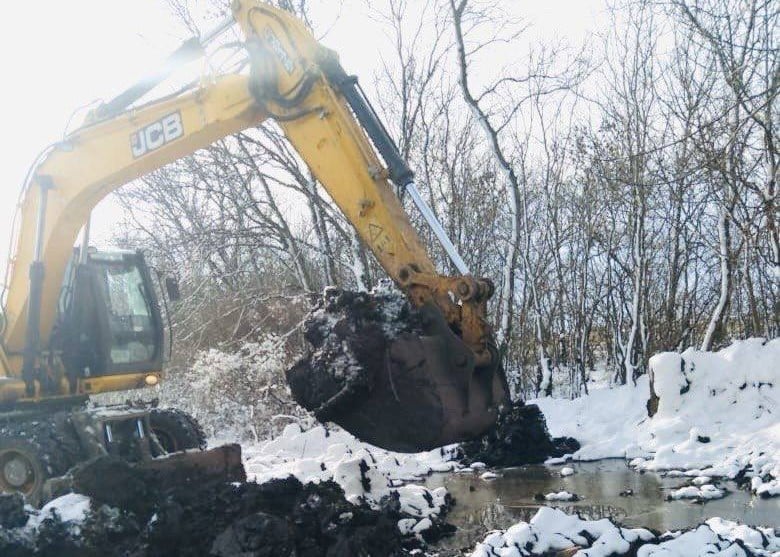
<point>77,322</point>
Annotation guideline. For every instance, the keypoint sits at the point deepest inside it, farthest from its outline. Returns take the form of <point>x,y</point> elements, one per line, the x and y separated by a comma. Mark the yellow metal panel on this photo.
<point>111,383</point>
<point>12,390</point>
<point>96,160</point>
<point>331,141</point>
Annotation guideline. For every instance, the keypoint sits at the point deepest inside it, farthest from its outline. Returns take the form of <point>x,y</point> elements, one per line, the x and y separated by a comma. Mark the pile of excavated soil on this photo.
<point>135,513</point>
<point>520,437</point>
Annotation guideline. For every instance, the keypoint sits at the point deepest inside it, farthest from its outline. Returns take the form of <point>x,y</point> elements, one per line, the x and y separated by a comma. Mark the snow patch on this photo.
<point>716,416</point>
<point>561,496</point>
<point>552,530</point>
<point>703,493</point>
<point>366,473</point>
<point>71,509</point>
<point>606,422</point>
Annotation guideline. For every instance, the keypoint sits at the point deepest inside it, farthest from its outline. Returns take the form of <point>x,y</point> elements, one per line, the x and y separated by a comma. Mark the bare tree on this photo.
<point>620,212</point>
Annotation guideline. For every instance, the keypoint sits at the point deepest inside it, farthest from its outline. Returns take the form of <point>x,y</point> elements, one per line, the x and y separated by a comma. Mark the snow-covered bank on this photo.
<point>366,473</point>
<point>718,414</point>
<point>551,530</point>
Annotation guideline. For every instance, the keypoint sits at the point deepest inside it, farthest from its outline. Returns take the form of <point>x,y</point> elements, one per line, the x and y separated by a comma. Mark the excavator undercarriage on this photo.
<point>39,445</point>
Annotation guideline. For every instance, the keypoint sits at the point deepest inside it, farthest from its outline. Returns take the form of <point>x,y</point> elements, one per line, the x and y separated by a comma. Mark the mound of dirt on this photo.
<point>520,437</point>
<point>157,515</point>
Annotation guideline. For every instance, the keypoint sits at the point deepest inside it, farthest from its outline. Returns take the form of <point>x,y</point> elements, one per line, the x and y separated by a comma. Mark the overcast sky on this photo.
<point>58,56</point>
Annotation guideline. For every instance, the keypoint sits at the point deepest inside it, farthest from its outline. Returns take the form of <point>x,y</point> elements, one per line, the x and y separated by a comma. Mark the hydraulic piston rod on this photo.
<point>400,172</point>
<point>437,229</point>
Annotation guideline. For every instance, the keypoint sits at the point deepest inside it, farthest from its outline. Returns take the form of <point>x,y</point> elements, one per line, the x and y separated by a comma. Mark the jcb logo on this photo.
<point>156,134</point>
<point>279,50</point>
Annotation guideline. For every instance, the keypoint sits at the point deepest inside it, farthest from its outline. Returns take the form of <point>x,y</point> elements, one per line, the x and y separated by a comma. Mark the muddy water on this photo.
<point>483,505</point>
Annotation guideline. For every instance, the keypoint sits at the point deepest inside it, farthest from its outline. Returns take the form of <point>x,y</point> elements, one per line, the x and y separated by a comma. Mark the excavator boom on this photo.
<point>301,86</point>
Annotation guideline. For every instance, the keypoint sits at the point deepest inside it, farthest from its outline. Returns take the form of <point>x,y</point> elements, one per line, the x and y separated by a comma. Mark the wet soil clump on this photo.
<point>12,513</point>
<point>520,437</point>
<point>349,334</point>
<point>370,368</point>
<point>395,376</point>
<point>145,514</point>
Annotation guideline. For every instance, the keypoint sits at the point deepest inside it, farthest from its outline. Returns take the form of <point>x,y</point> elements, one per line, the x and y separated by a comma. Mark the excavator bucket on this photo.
<point>394,376</point>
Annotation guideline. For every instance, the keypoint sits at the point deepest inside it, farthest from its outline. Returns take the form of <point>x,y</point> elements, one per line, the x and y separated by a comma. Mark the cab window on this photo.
<point>130,316</point>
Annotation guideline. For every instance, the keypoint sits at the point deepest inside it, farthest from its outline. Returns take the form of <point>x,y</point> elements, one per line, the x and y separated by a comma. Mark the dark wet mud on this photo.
<point>520,437</point>
<point>143,515</point>
<point>349,334</point>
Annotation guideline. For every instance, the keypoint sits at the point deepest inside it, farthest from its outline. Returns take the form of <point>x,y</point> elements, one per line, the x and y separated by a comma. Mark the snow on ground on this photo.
<point>703,493</point>
<point>71,509</point>
<point>551,530</point>
<point>606,422</point>
<point>366,473</point>
<point>718,414</point>
<point>561,496</point>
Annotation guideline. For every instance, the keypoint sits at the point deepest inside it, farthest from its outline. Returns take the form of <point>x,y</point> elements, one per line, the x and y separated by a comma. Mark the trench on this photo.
<point>484,505</point>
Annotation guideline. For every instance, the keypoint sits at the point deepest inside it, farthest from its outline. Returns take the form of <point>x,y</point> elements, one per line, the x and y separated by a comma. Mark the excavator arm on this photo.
<point>301,85</point>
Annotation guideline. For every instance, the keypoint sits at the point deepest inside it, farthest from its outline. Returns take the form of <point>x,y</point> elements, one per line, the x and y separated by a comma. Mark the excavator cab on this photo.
<point>110,321</point>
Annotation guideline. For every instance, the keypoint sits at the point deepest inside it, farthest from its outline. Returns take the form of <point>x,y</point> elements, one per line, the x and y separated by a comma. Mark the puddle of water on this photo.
<point>483,505</point>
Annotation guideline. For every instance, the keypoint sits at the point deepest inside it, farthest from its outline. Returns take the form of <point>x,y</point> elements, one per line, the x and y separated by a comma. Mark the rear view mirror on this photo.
<point>172,289</point>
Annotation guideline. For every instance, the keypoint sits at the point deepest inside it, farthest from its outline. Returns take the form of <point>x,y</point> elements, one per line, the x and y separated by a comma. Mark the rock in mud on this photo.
<point>12,513</point>
<point>520,437</point>
<point>156,514</point>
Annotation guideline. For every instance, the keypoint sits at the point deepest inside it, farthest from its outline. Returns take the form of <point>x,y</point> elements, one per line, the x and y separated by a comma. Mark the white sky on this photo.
<point>58,56</point>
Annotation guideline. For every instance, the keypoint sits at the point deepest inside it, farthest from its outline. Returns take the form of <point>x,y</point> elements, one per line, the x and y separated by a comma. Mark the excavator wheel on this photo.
<point>176,430</point>
<point>22,468</point>
<point>32,452</point>
<point>392,375</point>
